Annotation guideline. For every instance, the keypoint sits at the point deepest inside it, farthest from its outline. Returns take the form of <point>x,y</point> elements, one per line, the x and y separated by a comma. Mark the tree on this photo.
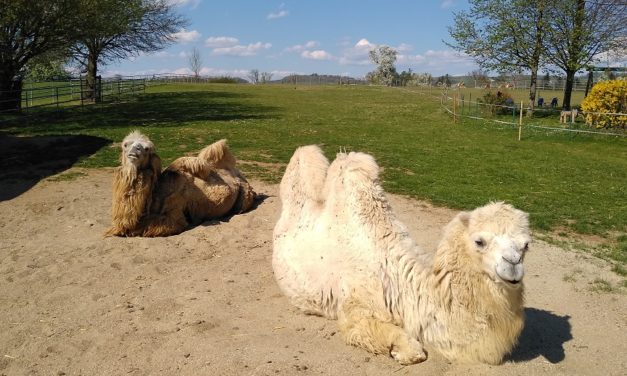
<point>405,77</point>
<point>384,57</point>
<point>546,80</point>
<point>444,81</point>
<point>46,67</point>
<point>29,29</point>
<point>581,30</point>
<point>503,35</point>
<point>118,29</point>
<point>266,77</point>
<point>195,62</point>
<point>253,76</point>
<point>480,77</point>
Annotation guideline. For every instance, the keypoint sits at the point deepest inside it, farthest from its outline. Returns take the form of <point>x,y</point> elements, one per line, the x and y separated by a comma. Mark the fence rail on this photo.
<point>459,108</point>
<point>42,96</point>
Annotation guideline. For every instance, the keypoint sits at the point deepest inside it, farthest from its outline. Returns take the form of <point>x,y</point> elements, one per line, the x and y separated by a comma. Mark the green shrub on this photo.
<point>223,80</point>
<point>497,103</point>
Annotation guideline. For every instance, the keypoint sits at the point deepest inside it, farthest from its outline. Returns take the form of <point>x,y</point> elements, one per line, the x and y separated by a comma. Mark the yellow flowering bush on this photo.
<point>609,97</point>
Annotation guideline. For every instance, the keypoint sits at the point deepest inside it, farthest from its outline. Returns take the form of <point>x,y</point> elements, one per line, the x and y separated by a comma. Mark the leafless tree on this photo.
<point>266,77</point>
<point>253,76</point>
<point>195,62</point>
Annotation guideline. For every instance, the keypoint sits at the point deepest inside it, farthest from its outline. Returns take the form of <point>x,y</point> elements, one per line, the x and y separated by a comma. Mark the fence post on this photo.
<point>470,103</point>
<point>56,95</point>
<point>454,105</point>
<point>520,121</point>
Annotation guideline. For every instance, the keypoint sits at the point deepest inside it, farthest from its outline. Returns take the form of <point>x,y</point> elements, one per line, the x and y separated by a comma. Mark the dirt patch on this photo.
<point>205,301</point>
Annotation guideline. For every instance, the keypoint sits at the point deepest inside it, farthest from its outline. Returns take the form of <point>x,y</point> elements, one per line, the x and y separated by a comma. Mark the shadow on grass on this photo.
<point>24,161</point>
<point>168,109</point>
<point>544,335</point>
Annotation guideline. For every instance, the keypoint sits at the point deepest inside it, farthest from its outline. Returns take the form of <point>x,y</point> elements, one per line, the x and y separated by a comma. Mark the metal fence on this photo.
<point>56,95</point>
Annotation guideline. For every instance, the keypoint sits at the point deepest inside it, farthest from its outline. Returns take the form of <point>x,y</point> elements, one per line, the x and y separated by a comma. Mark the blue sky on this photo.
<point>304,37</point>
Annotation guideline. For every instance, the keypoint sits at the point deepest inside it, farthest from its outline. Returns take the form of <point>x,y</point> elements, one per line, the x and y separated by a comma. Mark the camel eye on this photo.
<point>479,243</point>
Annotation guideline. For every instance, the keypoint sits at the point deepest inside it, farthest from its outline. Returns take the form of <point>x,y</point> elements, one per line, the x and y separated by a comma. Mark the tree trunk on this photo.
<point>10,93</point>
<point>533,88</point>
<point>92,89</point>
<point>537,51</point>
<point>568,88</point>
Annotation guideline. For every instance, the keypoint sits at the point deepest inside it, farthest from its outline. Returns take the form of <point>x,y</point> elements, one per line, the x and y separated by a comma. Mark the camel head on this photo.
<point>137,151</point>
<point>497,236</point>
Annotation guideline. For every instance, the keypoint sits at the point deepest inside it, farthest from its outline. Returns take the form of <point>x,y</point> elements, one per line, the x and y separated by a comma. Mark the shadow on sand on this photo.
<point>544,335</point>
<point>24,161</point>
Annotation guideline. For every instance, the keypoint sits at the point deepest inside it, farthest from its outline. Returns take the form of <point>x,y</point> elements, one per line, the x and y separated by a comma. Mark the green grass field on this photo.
<point>568,183</point>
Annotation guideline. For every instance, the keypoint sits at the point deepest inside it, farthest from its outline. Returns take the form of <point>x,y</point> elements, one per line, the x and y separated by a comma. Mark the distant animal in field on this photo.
<point>150,202</point>
<point>554,102</point>
<point>340,252</point>
<point>565,115</point>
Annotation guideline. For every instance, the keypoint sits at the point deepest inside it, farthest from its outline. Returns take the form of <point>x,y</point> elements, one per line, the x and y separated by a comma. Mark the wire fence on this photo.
<point>523,117</point>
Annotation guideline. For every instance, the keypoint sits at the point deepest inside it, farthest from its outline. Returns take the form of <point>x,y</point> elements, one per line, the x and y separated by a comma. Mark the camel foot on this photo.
<point>409,353</point>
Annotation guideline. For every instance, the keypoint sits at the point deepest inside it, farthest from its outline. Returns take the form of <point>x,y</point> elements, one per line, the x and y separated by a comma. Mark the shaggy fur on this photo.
<point>149,202</point>
<point>339,252</point>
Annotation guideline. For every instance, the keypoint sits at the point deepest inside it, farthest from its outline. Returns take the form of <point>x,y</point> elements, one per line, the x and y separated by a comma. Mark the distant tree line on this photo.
<point>37,38</point>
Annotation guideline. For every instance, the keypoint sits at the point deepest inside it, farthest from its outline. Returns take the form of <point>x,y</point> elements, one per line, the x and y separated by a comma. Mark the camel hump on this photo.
<point>354,169</point>
<point>352,184</point>
<point>304,176</point>
<point>218,155</point>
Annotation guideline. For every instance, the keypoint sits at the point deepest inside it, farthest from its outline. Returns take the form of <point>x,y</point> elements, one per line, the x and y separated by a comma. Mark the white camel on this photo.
<point>340,252</point>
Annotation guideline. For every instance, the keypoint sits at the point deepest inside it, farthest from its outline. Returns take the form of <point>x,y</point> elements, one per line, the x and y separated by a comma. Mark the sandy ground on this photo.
<point>205,302</point>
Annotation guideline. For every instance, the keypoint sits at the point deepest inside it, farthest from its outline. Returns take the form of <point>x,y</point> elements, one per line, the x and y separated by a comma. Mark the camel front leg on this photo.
<point>361,326</point>
<point>165,224</point>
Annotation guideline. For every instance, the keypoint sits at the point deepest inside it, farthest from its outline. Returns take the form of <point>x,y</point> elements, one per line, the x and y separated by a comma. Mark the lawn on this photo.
<point>568,183</point>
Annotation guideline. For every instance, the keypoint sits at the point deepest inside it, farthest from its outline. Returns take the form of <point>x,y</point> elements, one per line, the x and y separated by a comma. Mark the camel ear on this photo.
<point>464,218</point>
<point>155,164</point>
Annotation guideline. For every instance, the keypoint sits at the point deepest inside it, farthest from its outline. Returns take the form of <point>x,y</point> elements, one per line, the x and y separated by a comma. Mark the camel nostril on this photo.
<point>512,259</point>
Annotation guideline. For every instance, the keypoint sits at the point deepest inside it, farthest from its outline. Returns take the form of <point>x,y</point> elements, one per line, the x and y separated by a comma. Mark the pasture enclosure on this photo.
<point>568,183</point>
<point>460,104</point>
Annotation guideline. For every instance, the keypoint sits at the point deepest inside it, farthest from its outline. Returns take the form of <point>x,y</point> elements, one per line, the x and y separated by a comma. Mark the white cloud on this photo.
<point>302,47</point>
<point>317,55</point>
<point>364,43</point>
<point>614,57</point>
<point>443,57</point>
<point>183,71</point>
<point>180,3</point>
<point>239,50</point>
<point>161,54</point>
<point>220,42</point>
<point>403,47</point>
<point>445,4</point>
<point>279,14</point>
<point>185,36</point>
<point>358,53</point>
<point>409,59</point>
<point>437,62</point>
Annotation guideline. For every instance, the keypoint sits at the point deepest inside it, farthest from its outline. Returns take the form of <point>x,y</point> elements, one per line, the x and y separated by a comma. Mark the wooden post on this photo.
<point>470,103</point>
<point>454,103</point>
<point>520,121</point>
